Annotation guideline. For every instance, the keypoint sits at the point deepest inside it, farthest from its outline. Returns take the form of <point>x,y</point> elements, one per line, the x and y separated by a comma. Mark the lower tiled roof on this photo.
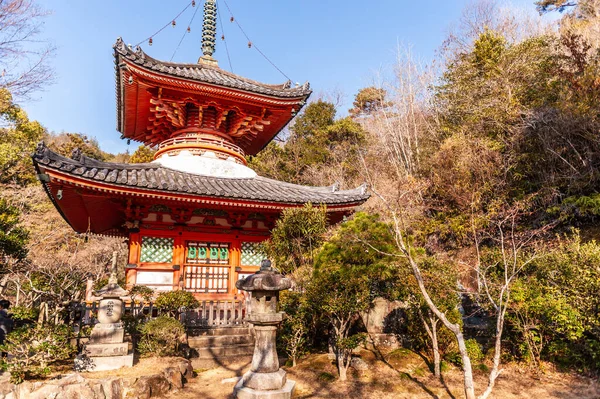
<point>151,176</point>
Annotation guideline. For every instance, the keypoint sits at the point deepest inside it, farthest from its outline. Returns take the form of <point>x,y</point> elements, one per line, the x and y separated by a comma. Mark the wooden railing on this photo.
<point>215,313</point>
<point>199,140</point>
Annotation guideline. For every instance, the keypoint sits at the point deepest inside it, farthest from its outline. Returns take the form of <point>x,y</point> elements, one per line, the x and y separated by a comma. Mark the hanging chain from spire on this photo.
<point>252,44</point>
<point>224,38</point>
<point>209,28</point>
<point>186,31</point>
<point>171,22</point>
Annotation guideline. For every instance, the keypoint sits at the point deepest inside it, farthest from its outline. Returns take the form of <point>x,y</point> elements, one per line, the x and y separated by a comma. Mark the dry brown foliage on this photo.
<point>60,261</point>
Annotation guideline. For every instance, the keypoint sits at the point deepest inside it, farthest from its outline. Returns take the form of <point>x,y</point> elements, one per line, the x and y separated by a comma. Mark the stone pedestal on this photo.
<point>285,392</point>
<point>109,333</point>
<point>265,380</point>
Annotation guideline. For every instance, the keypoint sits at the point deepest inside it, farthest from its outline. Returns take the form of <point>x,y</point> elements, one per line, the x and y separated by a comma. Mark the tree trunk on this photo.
<point>497,353</point>
<point>341,364</point>
<point>454,328</point>
<point>467,369</point>
<point>432,333</point>
<point>436,350</point>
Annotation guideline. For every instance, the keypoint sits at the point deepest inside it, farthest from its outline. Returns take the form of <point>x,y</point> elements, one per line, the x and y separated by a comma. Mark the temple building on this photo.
<point>193,217</point>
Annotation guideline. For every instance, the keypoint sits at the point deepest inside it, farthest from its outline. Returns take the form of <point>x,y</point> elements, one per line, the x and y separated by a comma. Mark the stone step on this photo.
<point>240,362</point>
<point>219,352</point>
<point>205,341</point>
<point>198,332</point>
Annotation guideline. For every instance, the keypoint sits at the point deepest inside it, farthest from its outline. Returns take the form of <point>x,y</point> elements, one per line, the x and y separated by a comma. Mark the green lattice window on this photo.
<point>207,253</point>
<point>157,250</point>
<point>252,254</point>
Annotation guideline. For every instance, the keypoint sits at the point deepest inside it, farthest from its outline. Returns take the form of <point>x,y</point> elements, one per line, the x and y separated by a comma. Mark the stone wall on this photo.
<point>76,386</point>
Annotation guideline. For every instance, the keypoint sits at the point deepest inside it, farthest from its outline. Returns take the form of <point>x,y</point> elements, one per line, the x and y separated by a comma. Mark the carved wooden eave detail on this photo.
<point>133,211</point>
<point>237,219</point>
<point>173,111</point>
<point>207,89</point>
<point>182,215</point>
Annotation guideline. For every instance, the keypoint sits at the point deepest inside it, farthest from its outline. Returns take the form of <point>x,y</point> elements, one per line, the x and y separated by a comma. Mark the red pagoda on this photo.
<point>194,216</point>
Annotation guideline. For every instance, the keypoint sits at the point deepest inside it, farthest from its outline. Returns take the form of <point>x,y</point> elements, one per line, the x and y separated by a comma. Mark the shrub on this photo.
<point>172,301</point>
<point>141,292</point>
<point>296,325</point>
<point>554,308</point>
<point>160,337</point>
<point>35,350</point>
<point>24,313</point>
<point>473,349</point>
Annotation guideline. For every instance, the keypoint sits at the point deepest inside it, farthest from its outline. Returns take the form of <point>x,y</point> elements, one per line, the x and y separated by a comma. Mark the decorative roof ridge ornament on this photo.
<point>76,154</point>
<point>120,44</point>
<point>209,33</point>
<point>41,150</point>
<point>140,53</point>
<point>364,188</point>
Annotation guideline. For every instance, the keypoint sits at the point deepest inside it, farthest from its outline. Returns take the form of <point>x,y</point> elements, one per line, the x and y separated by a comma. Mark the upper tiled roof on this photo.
<point>206,74</point>
<point>151,176</point>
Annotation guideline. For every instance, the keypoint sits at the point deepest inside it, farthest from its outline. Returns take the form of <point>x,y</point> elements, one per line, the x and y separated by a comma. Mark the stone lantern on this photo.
<point>264,379</point>
<point>106,349</point>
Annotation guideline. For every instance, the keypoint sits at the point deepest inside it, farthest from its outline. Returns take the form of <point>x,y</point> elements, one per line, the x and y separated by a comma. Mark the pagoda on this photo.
<point>193,217</point>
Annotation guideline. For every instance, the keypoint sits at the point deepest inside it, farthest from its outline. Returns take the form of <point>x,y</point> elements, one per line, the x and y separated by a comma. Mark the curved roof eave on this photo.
<point>156,180</point>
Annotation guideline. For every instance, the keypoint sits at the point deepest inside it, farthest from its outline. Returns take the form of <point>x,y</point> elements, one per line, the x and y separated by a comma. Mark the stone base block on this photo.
<point>264,381</point>
<point>93,363</point>
<point>102,350</point>
<point>242,392</point>
<point>112,333</point>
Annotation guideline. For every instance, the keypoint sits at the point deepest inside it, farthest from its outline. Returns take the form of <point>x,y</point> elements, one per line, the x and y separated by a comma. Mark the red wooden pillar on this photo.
<point>178,259</point>
<point>135,244</point>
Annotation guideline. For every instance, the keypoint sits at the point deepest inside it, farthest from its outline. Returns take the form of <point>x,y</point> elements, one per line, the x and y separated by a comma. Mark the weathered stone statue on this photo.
<point>106,349</point>
<point>264,379</point>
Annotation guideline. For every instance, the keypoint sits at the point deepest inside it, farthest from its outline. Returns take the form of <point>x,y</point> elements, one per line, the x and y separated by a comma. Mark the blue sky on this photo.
<point>333,44</point>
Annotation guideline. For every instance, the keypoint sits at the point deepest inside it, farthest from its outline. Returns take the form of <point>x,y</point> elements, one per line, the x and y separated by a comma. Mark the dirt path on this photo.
<point>400,376</point>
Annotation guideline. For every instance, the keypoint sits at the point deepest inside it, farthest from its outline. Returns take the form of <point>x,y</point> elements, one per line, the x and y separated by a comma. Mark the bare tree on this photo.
<point>513,23</point>
<point>431,327</point>
<point>59,262</point>
<point>515,255</point>
<point>24,55</point>
<point>399,133</point>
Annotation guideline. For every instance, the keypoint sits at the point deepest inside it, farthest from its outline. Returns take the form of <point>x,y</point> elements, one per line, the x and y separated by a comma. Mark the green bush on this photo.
<point>473,350</point>
<point>141,292</point>
<point>295,327</point>
<point>160,337</point>
<point>554,307</point>
<point>34,350</point>
<point>24,313</point>
<point>172,301</point>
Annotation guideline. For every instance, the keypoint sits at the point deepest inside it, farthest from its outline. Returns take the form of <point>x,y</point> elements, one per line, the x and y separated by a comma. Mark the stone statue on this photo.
<point>106,349</point>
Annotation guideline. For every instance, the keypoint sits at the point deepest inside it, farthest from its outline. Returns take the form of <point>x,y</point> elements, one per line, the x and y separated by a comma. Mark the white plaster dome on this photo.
<point>206,164</point>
